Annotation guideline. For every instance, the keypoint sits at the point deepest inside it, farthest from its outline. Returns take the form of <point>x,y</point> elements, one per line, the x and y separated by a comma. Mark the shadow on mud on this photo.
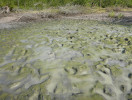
<point>126,21</point>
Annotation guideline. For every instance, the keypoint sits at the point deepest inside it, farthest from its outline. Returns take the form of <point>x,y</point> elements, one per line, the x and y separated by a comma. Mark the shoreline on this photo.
<point>36,16</point>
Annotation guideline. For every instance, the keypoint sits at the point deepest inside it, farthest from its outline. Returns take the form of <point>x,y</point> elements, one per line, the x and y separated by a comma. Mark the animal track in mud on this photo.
<point>66,60</point>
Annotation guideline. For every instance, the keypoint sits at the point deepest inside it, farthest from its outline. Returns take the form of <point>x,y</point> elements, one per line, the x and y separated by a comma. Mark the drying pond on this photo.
<point>66,60</point>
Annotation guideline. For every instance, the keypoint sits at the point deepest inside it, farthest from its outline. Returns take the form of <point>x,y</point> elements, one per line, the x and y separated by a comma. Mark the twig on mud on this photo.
<point>19,18</point>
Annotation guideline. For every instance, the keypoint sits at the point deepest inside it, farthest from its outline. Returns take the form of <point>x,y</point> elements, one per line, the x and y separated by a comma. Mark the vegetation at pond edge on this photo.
<point>113,15</point>
<point>47,3</point>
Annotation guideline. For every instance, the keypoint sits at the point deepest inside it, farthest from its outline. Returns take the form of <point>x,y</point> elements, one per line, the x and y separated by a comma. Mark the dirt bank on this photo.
<point>13,19</point>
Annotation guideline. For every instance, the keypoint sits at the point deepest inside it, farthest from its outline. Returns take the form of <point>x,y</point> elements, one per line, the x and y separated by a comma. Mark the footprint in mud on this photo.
<point>67,54</point>
<point>72,70</point>
<point>60,86</point>
<point>68,60</point>
<point>130,75</point>
<point>115,88</point>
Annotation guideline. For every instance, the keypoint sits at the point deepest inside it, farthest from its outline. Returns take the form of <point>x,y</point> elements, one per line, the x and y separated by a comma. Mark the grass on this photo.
<point>40,4</point>
<point>119,16</point>
<point>68,7</point>
<point>114,15</point>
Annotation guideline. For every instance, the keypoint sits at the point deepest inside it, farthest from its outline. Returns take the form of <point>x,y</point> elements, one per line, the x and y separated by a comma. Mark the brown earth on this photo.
<point>25,17</point>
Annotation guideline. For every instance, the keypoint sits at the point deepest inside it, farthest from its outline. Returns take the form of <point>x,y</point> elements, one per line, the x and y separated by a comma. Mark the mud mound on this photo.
<point>28,18</point>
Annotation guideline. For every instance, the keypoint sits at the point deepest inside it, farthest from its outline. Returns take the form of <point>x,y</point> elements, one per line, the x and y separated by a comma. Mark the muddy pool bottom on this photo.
<point>66,60</point>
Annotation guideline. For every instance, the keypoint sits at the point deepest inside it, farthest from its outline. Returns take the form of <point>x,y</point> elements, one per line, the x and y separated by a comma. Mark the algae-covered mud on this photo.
<point>66,60</point>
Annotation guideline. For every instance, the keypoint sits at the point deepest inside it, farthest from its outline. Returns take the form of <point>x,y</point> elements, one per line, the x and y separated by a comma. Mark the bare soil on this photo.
<point>16,18</point>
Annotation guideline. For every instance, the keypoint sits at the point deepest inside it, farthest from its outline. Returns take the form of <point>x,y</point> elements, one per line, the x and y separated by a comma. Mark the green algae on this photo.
<point>129,96</point>
<point>93,40</point>
<point>5,96</point>
<point>116,70</point>
<point>37,89</point>
<point>76,68</point>
<point>98,85</point>
<point>25,70</point>
<point>93,97</point>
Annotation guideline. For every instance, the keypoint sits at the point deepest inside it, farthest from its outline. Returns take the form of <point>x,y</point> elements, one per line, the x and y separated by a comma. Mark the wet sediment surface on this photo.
<point>66,60</point>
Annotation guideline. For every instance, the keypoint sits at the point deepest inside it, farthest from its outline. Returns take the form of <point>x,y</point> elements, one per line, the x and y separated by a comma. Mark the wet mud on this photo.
<point>66,60</point>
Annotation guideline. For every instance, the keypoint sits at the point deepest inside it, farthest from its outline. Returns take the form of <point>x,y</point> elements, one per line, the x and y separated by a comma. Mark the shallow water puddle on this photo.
<point>66,60</point>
